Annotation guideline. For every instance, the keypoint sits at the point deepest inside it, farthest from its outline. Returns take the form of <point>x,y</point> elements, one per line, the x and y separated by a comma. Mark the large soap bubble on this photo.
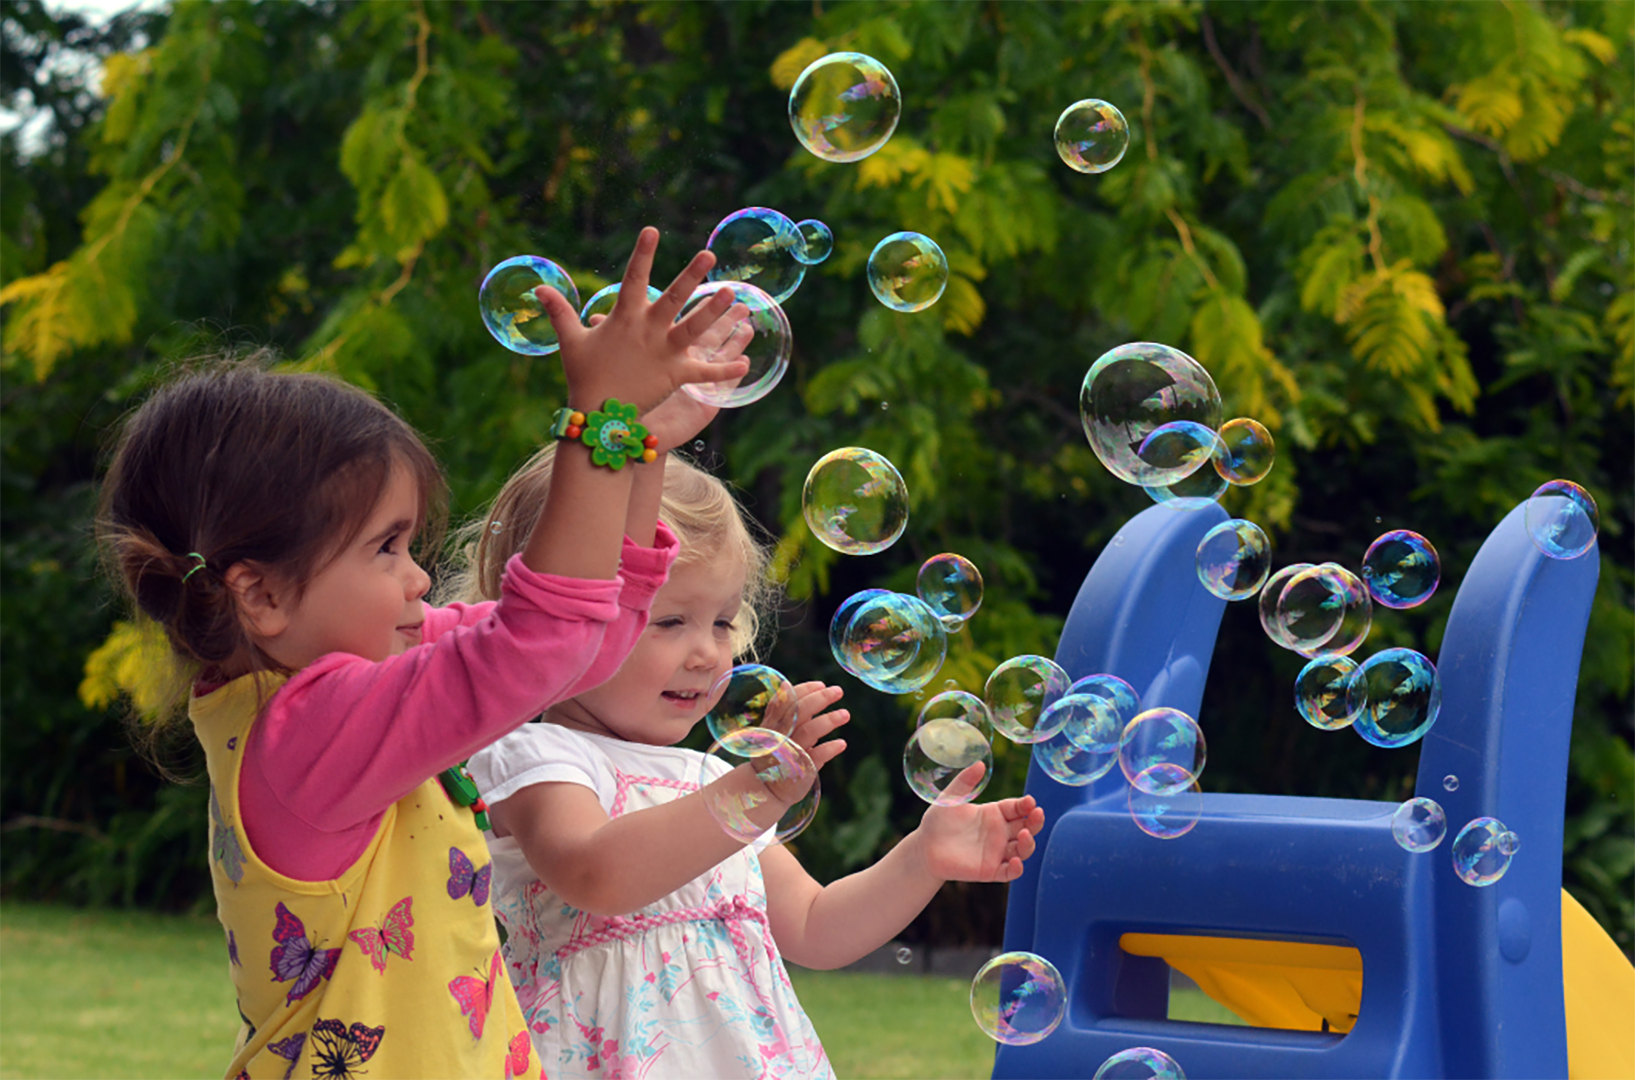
<point>1018,693</point>
<point>1115,691</point>
<point>1356,613</point>
<point>767,349</point>
<point>952,585</point>
<point>511,311</point>
<point>937,752</point>
<point>751,695</point>
<point>1085,746</point>
<point>603,300</point>
<point>1162,751</point>
<point>1562,519</point>
<point>1130,392</point>
<point>1247,452</point>
<point>893,642</point>
<point>1270,594</point>
<point>1322,692</point>
<point>959,705</point>
<point>784,770</point>
<point>1140,1063</point>
<point>844,106</point>
<point>1018,998</point>
<point>761,247</point>
<point>1312,607</point>
<point>842,620</point>
<point>1203,488</point>
<point>1396,695</point>
<point>1164,805</point>
<point>1419,825</point>
<point>1091,136</point>
<point>1482,851</point>
<point>1234,559</point>
<point>1401,569</point>
<point>855,501</point>
<point>907,271</point>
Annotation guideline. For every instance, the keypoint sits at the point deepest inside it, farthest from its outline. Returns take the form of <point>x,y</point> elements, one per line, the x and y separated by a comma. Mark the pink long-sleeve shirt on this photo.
<point>345,737</point>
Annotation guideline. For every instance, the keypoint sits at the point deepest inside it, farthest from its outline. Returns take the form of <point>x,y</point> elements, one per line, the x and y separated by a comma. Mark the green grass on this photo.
<point>116,994</point>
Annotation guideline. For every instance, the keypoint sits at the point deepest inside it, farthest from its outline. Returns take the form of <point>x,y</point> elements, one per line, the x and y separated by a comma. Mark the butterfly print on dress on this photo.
<point>338,1050</point>
<point>463,878</point>
<point>476,996</point>
<point>224,845</point>
<point>393,936</point>
<point>294,957</point>
<point>290,1050</point>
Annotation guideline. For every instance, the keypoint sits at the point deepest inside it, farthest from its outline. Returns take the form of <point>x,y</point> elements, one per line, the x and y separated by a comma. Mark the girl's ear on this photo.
<point>263,608</point>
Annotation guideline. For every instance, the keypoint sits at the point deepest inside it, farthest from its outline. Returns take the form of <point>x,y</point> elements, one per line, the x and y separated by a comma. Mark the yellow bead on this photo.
<point>577,419</point>
<point>650,455</point>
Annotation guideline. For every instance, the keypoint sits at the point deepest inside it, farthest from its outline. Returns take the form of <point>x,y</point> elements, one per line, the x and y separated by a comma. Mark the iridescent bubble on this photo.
<point>818,241</point>
<point>1311,608</point>
<point>893,642</point>
<point>1019,691</point>
<point>844,106</point>
<point>1203,488</point>
<point>842,619</point>
<point>1234,559</point>
<point>937,753</point>
<point>1131,391</point>
<point>1177,449</point>
<point>1356,617</point>
<point>1508,843</point>
<point>1091,136</point>
<point>1478,856</point>
<point>751,695</point>
<point>1247,452</point>
<point>1450,783</point>
<point>602,302</point>
<point>1321,692</point>
<point>1018,998</point>
<point>904,955</point>
<point>1562,519</point>
<point>494,528</point>
<point>761,247</point>
<point>1401,569</point>
<point>952,586</point>
<point>1085,745</point>
<point>1270,593</point>
<point>1140,1063</point>
<point>782,771</point>
<point>1419,825</point>
<point>1162,736</point>
<point>1396,694</point>
<point>1168,815</point>
<point>958,705</point>
<point>855,501</point>
<point>767,349</point>
<point>908,271</point>
<point>511,311</point>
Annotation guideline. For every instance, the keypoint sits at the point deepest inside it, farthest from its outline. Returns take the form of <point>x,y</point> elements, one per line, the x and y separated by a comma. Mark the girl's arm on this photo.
<point>824,927</point>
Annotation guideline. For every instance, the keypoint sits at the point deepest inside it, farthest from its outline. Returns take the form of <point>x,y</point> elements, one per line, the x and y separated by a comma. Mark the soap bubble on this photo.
<point>1091,136</point>
<point>1321,692</point>
<point>855,501</point>
<point>937,752</point>
<point>958,705</point>
<point>842,619</point>
<point>817,240</point>
<point>1115,691</point>
<point>1312,607</point>
<point>1177,449</point>
<point>1019,691</point>
<point>1419,825</point>
<point>844,106</point>
<point>761,247</point>
<point>1140,1063</point>
<point>1085,745</point>
<point>1396,694</point>
<point>1162,736</point>
<point>494,528</point>
<point>767,351</point>
<point>1246,453</point>
<point>1562,519</point>
<point>908,271</point>
<point>1270,593</point>
<point>1401,569</point>
<point>1170,814</point>
<point>1478,856</point>
<point>1203,488</point>
<point>952,586</point>
<point>785,772</point>
<point>1356,614</point>
<point>1018,998</point>
<point>904,955</point>
<point>1234,559</point>
<point>601,303</point>
<point>511,311</point>
<point>1508,843</point>
<point>893,642</point>
<point>1134,389</point>
<point>751,695</point>
<point>1450,782</point>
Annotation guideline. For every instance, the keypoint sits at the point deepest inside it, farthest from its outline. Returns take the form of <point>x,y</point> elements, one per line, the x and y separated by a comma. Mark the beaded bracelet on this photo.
<point>613,435</point>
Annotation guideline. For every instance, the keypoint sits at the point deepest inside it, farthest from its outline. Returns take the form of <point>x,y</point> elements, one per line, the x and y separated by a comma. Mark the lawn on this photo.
<point>115,994</point>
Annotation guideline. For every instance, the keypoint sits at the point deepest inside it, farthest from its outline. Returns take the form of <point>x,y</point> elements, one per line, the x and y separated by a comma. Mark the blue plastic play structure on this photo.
<point>1454,980</point>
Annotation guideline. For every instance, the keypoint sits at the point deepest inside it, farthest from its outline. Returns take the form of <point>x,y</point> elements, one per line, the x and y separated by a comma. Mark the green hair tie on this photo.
<point>196,566</point>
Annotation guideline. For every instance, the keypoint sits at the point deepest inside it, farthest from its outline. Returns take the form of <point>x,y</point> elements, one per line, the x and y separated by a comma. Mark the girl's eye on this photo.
<point>668,623</point>
<point>389,547</point>
<point>726,625</point>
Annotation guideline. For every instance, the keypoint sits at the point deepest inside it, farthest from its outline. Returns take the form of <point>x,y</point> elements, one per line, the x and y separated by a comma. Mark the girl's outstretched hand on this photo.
<point>979,841</point>
<point>813,723</point>
<point>640,354</point>
<point>681,416</point>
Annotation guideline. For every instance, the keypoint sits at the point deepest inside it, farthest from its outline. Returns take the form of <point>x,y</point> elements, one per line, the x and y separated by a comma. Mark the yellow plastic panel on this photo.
<point>1274,984</point>
<point>1598,984</point>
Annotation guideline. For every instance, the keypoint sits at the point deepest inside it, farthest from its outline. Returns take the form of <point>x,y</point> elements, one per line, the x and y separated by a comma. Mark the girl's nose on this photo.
<point>419,582</point>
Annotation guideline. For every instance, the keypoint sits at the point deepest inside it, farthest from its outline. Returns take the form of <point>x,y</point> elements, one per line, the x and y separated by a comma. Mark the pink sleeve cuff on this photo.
<point>645,569</point>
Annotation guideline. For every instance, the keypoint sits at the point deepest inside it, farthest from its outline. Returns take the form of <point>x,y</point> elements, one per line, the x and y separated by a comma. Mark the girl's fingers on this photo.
<point>564,319</point>
<point>681,289</point>
<point>1024,844</point>
<point>965,782</point>
<point>823,753</point>
<point>640,267</point>
<point>724,330</point>
<point>707,371</point>
<point>691,329</point>
<point>809,733</point>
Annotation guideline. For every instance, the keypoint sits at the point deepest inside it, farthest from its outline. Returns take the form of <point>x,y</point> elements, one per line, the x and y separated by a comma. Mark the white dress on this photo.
<point>691,986</point>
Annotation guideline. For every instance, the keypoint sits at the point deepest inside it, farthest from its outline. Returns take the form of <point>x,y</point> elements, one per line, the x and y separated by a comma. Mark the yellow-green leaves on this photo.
<point>134,662</point>
<point>401,203</point>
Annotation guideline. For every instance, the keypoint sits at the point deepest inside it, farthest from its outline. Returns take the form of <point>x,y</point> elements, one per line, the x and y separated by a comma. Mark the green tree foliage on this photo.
<point>1398,234</point>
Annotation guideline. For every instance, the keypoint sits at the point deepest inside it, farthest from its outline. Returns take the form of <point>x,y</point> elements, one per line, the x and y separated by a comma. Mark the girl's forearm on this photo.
<point>850,918</point>
<point>646,493</point>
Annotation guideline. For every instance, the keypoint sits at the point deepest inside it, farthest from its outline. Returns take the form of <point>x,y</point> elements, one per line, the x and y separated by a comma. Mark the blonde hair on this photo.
<point>697,507</point>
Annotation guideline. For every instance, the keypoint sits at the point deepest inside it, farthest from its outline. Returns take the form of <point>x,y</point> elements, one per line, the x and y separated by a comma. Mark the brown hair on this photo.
<point>231,462</point>
<point>696,506</point>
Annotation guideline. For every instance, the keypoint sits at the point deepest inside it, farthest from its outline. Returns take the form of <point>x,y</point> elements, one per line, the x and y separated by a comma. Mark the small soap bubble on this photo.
<point>1247,452</point>
<point>494,528</point>
<point>893,642</point>
<point>1450,783</point>
<point>855,501</point>
<point>751,695</point>
<point>817,239</point>
<point>783,772</point>
<point>952,586</point>
<point>1018,693</point>
<point>1401,569</point>
<point>1311,608</point>
<point>844,106</point>
<point>1130,392</point>
<point>1508,843</point>
<point>1478,856</point>
<point>904,955</point>
<point>1356,618</point>
<point>1419,825</point>
<point>1169,815</point>
<point>1396,694</point>
<point>958,705</point>
<point>1203,488</point>
<point>767,349</point>
<point>761,247</point>
<point>511,311</point>
<point>1177,449</point>
<point>603,301</point>
<point>1091,136</point>
<point>698,446</point>
<point>1321,692</point>
<point>841,622</point>
<point>1018,998</point>
<point>1562,519</point>
<point>1162,737</point>
<point>908,271</point>
<point>1234,559</point>
<point>1085,745</point>
<point>1140,1063</point>
<point>937,752</point>
<point>885,405</point>
<point>1270,593</point>
<point>1116,692</point>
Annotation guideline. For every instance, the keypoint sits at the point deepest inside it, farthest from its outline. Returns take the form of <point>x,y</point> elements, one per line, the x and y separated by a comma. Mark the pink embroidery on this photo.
<point>625,781</point>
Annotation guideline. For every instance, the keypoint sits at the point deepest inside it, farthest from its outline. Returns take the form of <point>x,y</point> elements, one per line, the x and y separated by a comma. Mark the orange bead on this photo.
<point>577,419</point>
<point>650,454</point>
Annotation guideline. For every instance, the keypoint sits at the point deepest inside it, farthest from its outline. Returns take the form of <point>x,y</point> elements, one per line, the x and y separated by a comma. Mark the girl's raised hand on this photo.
<point>813,723</point>
<point>681,416</point>
<point>979,841</point>
<point>640,354</point>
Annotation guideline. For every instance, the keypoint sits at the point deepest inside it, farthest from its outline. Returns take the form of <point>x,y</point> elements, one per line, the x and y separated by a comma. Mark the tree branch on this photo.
<point>1239,88</point>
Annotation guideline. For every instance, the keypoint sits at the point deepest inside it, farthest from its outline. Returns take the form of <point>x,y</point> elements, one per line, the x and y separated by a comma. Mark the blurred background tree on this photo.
<point>1396,234</point>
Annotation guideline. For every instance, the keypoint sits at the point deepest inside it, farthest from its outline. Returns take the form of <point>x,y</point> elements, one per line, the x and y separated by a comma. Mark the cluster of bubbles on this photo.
<point>1018,998</point>
<point>893,642</point>
<point>1482,850</point>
